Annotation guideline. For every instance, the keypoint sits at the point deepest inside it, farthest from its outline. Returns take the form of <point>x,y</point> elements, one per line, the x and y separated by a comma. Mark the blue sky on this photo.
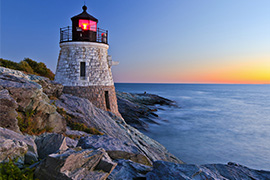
<point>175,41</point>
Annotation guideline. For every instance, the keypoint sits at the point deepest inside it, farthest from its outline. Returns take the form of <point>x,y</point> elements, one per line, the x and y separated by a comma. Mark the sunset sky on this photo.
<point>156,41</point>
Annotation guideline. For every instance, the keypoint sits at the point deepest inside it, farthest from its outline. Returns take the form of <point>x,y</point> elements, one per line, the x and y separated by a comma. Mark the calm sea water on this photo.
<point>215,124</point>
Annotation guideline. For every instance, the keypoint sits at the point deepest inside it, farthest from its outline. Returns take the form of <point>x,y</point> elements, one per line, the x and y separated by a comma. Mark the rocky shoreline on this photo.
<point>138,110</point>
<point>61,136</point>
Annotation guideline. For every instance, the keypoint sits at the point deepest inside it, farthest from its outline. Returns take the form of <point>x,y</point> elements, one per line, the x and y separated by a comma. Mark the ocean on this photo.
<point>215,123</point>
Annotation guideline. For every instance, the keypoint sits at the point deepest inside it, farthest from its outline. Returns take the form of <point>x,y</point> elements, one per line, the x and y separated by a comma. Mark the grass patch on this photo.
<point>10,171</point>
<point>28,125</point>
<point>75,125</point>
<point>53,98</point>
<point>72,136</point>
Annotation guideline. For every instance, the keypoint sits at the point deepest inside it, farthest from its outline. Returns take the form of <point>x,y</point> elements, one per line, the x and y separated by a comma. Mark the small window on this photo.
<point>93,26</point>
<point>82,65</point>
<point>107,100</point>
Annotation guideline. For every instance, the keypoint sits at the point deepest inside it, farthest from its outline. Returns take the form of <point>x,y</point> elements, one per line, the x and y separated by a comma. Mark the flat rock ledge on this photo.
<point>115,148</point>
<point>231,171</point>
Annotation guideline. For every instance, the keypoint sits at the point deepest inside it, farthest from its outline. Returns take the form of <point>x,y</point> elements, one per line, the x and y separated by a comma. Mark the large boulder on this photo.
<point>73,137</point>
<point>30,99</point>
<point>49,143</point>
<point>8,111</point>
<point>127,169</point>
<point>231,171</point>
<point>14,145</point>
<point>106,164</point>
<point>83,111</point>
<point>76,164</point>
<point>116,148</point>
<point>23,91</point>
<point>50,88</point>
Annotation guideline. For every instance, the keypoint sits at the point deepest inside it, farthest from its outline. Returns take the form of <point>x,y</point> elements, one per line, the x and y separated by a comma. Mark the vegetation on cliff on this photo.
<point>29,66</point>
<point>76,125</point>
<point>9,170</point>
<point>28,125</point>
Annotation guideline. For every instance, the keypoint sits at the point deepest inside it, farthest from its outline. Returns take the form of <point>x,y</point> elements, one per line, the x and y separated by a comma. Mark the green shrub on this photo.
<point>9,171</point>
<point>26,67</point>
<point>10,64</point>
<point>40,68</point>
<point>29,66</point>
<point>75,125</point>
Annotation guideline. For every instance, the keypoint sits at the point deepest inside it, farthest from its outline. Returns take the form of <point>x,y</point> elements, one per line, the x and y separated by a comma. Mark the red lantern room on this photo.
<point>84,28</point>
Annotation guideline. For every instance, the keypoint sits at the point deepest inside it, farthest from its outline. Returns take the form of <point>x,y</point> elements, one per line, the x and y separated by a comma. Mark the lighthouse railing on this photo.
<point>102,35</point>
<point>66,35</point>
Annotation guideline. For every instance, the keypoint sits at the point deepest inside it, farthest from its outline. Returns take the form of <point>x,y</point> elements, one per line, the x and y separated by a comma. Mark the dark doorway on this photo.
<point>107,100</point>
<point>82,65</point>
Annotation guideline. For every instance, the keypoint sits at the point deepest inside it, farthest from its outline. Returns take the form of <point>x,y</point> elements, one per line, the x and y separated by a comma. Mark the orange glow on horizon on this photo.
<point>253,72</point>
<point>245,71</point>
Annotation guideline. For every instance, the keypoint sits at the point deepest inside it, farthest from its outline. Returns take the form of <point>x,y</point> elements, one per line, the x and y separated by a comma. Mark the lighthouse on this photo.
<point>84,66</point>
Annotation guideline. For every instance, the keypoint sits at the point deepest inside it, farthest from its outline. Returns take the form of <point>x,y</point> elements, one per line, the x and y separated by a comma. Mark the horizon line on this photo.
<point>193,83</point>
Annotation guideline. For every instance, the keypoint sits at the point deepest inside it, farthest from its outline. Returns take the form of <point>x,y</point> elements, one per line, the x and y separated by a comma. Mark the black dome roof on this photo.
<point>84,15</point>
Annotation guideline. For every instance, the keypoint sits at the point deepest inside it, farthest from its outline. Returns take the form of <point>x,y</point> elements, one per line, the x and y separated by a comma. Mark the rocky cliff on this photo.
<point>67,137</point>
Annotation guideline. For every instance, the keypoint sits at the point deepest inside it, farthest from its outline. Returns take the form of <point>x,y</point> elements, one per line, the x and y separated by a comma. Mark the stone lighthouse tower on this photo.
<point>84,67</point>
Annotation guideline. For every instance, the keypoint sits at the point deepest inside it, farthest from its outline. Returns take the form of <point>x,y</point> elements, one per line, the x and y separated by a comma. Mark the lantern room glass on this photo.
<point>88,25</point>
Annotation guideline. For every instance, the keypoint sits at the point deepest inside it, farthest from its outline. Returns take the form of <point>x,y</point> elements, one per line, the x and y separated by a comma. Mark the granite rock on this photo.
<point>83,111</point>
<point>8,112</point>
<point>75,164</point>
<point>146,99</point>
<point>50,88</point>
<point>14,145</point>
<point>106,142</point>
<point>71,143</point>
<point>106,164</point>
<point>29,97</point>
<point>231,171</point>
<point>49,143</point>
<point>127,169</point>
<point>116,148</point>
<point>77,134</point>
<point>138,110</point>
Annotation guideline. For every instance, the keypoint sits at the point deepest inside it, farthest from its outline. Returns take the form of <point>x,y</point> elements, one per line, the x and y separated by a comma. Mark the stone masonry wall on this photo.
<point>94,55</point>
<point>96,95</point>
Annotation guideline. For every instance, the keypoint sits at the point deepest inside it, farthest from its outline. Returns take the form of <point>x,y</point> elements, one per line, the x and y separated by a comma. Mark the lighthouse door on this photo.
<point>107,100</point>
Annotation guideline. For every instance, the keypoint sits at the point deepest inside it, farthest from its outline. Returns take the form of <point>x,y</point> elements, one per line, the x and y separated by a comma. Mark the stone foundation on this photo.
<point>96,95</point>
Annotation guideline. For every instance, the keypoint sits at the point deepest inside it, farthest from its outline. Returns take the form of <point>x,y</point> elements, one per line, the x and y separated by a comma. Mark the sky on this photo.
<point>155,41</point>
